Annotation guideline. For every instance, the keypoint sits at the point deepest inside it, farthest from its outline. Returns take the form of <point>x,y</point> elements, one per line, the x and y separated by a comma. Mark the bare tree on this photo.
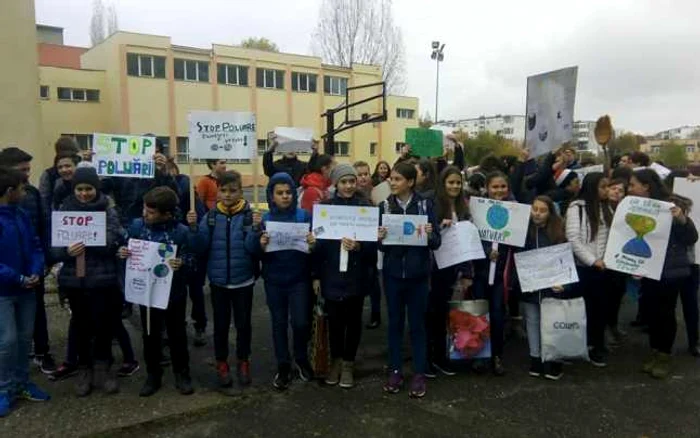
<point>362,31</point>
<point>97,22</point>
<point>112,20</point>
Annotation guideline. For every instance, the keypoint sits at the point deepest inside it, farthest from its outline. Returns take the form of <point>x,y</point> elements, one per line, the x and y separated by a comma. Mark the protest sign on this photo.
<point>223,135</point>
<point>546,267</point>
<point>550,110</point>
<point>639,237</point>
<point>660,170</point>
<point>294,139</point>
<point>148,275</point>
<point>126,156</point>
<point>405,229</point>
<point>334,222</point>
<point>691,190</point>
<point>582,172</point>
<point>287,236</point>
<point>460,243</point>
<point>87,227</point>
<point>380,192</point>
<point>500,221</point>
<point>425,142</point>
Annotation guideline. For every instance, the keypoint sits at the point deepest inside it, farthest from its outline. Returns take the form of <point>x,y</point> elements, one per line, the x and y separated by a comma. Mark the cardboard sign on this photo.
<point>87,227</point>
<point>582,172</point>
<point>125,156</point>
<point>149,277</point>
<point>287,236</point>
<point>334,222</point>
<point>222,135</point>
<point>460,243</point>
<point>405,229</point>
<point>425,142</point>
<point>500,221</point>
<point>691,190</point>
<point>546,267</point>
<point>294,139</point>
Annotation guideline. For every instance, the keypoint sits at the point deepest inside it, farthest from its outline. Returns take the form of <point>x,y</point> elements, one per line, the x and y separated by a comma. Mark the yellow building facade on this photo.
<point>135,84</point>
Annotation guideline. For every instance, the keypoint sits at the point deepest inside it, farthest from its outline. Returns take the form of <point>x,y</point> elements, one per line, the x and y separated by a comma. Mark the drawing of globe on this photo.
<point>165,250</point>
<point>408,229</point>
<point>161,271</point>
<point>497,216</point>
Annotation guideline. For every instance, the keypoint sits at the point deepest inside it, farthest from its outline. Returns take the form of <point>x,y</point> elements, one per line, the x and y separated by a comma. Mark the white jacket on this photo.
<point>578,232</point>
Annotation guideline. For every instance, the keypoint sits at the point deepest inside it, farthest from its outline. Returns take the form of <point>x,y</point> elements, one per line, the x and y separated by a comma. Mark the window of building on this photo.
<point>341,148</point>
<point>507,131</point>
<point>84,140</point>
<point>43,91</point>
<point>262,146</point>
<point>189,70</point>
<point>232,74</point>
<point>690,148</point>
<point>335,86</point>
<point>145,65</point>
<point>399,146</point>
<point>373,149</point>
<point>78,94</point>
<point>266,78</point>
<point>507,119</point>
<point>404,113</point>
<point>304,82</point>
<point>655,149</point>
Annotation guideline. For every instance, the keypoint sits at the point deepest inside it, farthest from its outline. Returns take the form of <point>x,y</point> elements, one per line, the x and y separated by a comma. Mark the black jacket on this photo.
<point>683,237</point>
<point>291,166</point>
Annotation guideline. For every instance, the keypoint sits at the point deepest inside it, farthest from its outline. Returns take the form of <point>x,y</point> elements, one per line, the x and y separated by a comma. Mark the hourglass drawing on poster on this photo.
<point>641,225</point>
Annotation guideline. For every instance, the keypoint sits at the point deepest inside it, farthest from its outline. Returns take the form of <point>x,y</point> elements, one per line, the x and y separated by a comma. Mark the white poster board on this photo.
<point>223,135</point>
<point>287,236</point>
<point>500,221</point>
<point>87,227</point>
<point>550,110</point>
<point>691,190</point>
<point>334,222</point>
<point>149,277</point>
<point>547,267</point>
<point>639,236</point>
<point>582,172</point>
<point>405,229</point>
<point>294,139</point>
<point>125,156</point>
<point>380,192</point>
<point>460,243</point>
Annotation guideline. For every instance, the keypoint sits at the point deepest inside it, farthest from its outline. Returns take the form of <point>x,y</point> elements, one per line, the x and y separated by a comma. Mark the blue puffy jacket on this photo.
<point>22,254</point>
<point>230,253</point>
<point>282,267</point>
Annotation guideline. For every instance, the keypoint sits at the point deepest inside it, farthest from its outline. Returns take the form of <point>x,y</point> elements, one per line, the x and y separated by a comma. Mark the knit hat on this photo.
<point>564,178</point>
<point>86,175</point>
<point>340,171</point>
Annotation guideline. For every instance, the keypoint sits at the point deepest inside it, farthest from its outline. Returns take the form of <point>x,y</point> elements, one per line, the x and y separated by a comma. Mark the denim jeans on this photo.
<point>285,302</point>
<point>532,314</point>
<point>404,295</point>
<point>16,329</point>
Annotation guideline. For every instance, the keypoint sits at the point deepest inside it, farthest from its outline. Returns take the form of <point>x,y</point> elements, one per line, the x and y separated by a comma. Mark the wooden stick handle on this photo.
<point>80,266</point>
<point>191,185</point>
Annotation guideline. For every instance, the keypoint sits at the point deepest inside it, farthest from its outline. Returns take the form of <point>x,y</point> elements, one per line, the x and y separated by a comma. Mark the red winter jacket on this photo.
<point>314,190</point>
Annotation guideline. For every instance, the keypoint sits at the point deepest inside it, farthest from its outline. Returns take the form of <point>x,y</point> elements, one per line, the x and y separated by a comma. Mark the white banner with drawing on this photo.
<point>293,139</point>
<point>405,229</point>
<point>460,243</point>
<point>149,277</point>
<point>287,236</point>
<point>334,222</point>
<point>691,190</point>
<point>546,267</point>
<point>500,221</point>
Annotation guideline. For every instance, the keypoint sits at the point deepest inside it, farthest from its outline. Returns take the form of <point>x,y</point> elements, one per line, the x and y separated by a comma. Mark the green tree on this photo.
<point>426,121</point>
<point>486,143</point>
<point>261,43</point>
<point>673,155</point>
<point>625,143</point>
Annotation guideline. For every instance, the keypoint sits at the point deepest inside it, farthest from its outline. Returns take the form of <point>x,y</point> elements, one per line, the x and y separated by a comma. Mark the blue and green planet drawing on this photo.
<point>641,225</point>
<point>497,216</point>
<point>165,251</point>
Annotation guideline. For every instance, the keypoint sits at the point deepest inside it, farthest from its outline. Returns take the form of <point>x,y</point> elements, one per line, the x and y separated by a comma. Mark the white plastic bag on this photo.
<point>563,329</point>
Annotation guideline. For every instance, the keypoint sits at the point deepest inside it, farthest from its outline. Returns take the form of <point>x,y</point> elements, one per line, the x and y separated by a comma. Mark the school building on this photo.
<point>135,84</point>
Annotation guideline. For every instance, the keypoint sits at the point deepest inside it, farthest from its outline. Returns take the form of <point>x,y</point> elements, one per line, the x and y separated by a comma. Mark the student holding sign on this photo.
<point>94,295</point>
<point>662,295</point>
<point>407,277</point>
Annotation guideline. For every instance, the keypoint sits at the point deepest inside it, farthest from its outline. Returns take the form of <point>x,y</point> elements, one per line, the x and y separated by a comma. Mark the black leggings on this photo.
<point>240,300</point>
<point>344,327</point>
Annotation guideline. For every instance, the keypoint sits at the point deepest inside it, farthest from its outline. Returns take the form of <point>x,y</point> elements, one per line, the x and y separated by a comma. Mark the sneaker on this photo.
<point>430,371</point>
<point>394,383</point>
<point>618,336</point>
<point>243,372</point>
<point>83,386</point>
<point>32,392</point>
<point>183,383</point>
<point>417,386</point>
<point>347,377</point>
<point>536,367</point>
<point>662,367</point>
<point>64,371</point>
<point>374,322</point>
<point>199,339</point>
<point>151,386</point>
<point>128,369</point>
<point>597,358</point>
<point>445,368</point>
<point>5,404</point>
<point>333,377</point>
<point>223,373</point>
<point>553,371</point>
<point>304,370</point>
<point>111,383</point>
<point>497,366</point>
<point>283,377</point>
<point>648,365</point>
<point>46,363</point>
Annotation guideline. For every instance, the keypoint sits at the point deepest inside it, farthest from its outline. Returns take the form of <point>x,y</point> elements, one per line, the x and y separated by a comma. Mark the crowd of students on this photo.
<point>224,239</point>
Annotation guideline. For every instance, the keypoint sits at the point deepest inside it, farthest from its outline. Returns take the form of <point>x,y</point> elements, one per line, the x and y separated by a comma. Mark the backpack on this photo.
<point>422,206</point>
<point>247,227</point>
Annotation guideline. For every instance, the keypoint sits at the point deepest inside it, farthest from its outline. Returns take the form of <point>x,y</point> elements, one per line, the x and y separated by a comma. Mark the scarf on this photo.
<point>230,211</point>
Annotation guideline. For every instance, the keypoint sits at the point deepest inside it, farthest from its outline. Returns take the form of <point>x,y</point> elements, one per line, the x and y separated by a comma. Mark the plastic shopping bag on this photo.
<point>563,329</point>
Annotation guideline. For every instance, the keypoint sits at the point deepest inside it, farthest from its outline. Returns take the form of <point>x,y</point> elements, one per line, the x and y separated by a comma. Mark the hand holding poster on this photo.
<point>69,227</point>
<point>546,267</point>
<point>148,275</point>
<point>405,229</point>
<point>334,222</point>
<point>126,156</point>
<point>224,135</point>
<point>639,237</point>
<point>294,139</point>
<point>500,221</point>
<point>460,243</point>
<point>691,190</point>
<point>287,236</point>
<point>425,142</point>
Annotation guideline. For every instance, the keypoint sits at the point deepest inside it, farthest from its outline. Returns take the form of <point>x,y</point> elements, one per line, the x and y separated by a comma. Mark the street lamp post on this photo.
<point>438,56</point>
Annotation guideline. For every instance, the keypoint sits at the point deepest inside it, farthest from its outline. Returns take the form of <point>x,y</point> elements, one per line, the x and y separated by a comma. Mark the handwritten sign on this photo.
<point>125,156</point>
<point>405,229</point>
<point>149,277</point>
<point>639,237</point>
<point>69,227</point>
<point>500,221</point>
<point>223,135</point>
<point>334,222</point>
<point>460,243</point>
<point>294,139</point>
<point>287,236</point>
<point>547,267</point>
<point>691,190</point>
<point>425,142</point>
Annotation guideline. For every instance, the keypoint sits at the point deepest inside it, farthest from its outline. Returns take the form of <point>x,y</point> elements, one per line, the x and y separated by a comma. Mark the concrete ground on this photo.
<point>617,401</point>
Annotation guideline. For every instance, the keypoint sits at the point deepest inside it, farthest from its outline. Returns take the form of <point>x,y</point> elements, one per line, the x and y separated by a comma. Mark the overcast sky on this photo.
<point>639,60</point>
